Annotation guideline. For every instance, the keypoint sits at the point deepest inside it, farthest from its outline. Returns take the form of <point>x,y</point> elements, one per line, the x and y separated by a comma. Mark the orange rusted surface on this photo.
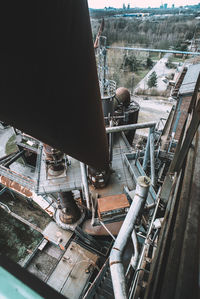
<point>15,186</point>
<point>112,202</point>
<point>99,230</point>
<point>184,108</point>
<point>61,247</point>
<point>49,212</point>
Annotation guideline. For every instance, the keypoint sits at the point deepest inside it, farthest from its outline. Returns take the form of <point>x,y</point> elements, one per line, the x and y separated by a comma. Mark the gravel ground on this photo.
<point>152,110</point>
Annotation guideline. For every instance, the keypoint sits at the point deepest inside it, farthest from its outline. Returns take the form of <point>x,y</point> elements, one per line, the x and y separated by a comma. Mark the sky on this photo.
<point>139,3</point>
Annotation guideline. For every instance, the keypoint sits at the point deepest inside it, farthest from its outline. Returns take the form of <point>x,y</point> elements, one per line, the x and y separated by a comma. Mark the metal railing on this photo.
<point>108,87</point>
<point>13,176</point>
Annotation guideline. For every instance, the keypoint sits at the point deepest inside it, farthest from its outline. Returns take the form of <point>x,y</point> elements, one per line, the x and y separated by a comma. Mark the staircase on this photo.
<point>179,82</point>
<point>102,286</point>
<point>105,289</point>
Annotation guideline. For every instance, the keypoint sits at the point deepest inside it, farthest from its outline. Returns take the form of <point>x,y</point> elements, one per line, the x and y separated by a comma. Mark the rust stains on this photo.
<point>15,186</point>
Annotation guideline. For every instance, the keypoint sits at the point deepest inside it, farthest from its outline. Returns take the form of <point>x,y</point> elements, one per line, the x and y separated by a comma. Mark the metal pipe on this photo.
<point>109,232</point>
<point>150,206</point>
<point>154,50</point>
<point>111,143</point>
<point>146,243</point>
<point>85,184</point>
<point>116,266</point>
<point>152,158</point>
<point>134,258</point>
<point>130,127</point>
<point>3,190</point>
<point>147,151</point>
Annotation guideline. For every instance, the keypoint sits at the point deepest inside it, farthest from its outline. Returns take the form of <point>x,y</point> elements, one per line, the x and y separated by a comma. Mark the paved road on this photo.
<point>161,71</point>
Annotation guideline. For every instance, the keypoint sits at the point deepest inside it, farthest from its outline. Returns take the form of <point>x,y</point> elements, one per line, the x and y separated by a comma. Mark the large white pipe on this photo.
<point>134,259</point>
<point>116,266</point>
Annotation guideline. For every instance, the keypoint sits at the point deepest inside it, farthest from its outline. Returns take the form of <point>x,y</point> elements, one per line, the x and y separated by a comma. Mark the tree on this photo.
<point>149,63</point>
<point>169,64</point>
<point>131,63</point>
<point>152,81</point>
<point>180,46</point>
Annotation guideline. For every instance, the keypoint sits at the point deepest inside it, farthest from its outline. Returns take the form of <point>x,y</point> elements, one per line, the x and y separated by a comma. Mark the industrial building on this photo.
<point>124,223</point>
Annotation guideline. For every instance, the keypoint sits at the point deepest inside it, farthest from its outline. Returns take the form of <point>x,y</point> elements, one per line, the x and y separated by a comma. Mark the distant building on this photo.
<point>173,6</point>
<point>165,6</point>
<point>128,7</point>
<point>124,6</point>
<point>109,8</point>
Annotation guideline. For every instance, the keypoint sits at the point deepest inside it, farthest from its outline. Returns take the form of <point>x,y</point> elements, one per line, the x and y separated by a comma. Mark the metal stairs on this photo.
<point>102,287</point>
<point>105,288</point>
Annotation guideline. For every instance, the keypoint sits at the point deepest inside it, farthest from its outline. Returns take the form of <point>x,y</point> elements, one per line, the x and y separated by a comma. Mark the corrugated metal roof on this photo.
<point>190,79</point>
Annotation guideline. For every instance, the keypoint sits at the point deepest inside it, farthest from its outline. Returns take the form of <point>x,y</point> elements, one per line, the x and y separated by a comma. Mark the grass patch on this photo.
<point>16,238</point>
<point>176,59</point>
<point>140,75</point>
<point>11,146</point>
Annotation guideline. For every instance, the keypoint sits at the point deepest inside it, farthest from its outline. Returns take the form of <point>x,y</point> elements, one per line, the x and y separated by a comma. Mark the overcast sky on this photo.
<point>139,3</point>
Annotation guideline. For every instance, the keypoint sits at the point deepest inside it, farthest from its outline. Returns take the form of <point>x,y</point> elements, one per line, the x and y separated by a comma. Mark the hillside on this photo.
<point>127,68</point>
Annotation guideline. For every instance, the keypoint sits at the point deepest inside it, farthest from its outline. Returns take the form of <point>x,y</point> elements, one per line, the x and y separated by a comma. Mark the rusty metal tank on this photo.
<point>123,96</point>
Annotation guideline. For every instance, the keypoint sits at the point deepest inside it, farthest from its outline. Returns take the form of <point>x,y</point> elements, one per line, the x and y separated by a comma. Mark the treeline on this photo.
<point>165,33</point>
<point>103,13</point>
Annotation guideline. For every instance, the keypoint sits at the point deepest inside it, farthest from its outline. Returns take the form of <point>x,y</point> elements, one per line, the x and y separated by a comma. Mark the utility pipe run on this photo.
<point>116,266</point>
<point>85,184</point>
<point>152,158</point>
<point>130,127</point>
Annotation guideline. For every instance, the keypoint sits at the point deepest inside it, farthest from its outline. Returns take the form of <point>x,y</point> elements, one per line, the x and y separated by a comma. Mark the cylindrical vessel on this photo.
<point>108,106</point>
<point>54,160</point>
<point>70,212</point>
